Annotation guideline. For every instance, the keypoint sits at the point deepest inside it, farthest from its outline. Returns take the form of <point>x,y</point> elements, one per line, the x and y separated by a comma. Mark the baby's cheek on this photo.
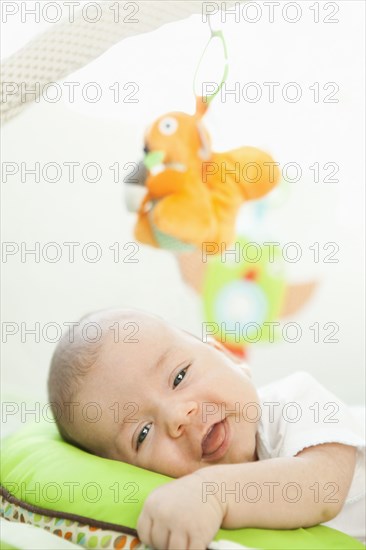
<point>250,450</point>
<point>169,459</point>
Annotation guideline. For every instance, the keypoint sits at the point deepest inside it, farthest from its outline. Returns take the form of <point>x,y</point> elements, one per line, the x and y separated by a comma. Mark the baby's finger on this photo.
<point>177,541</point>
<point>196,543</point>
<point>144,526</point>
<point>159,536</point>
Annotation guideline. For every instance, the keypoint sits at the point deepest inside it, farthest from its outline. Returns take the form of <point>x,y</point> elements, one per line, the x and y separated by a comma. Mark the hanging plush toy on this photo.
<point>185,194</point>
<point>191,194</point>
<point>243,302</point>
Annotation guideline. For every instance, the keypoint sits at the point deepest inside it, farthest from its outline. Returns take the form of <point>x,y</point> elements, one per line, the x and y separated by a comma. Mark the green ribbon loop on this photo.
<point>214,34</point>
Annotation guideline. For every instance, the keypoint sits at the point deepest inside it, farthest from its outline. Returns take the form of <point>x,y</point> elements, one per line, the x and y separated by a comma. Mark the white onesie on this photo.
<point>298,412</point>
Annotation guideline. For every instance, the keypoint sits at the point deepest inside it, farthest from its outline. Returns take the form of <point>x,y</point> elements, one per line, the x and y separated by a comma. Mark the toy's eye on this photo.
<point>168,125</point>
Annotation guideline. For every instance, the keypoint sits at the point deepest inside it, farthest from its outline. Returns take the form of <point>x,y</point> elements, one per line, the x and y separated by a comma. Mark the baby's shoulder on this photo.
<point>294,386</point>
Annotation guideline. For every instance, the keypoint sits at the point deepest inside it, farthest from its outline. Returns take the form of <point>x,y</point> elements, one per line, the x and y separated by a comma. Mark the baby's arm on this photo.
<point>299,491</point>
<point>188,512</point>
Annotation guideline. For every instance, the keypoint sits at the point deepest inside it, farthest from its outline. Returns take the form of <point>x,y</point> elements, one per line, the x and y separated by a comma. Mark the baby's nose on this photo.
<point>179,416</point>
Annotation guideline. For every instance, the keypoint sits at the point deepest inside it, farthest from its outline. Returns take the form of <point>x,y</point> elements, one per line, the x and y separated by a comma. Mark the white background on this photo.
<point>162,64</point>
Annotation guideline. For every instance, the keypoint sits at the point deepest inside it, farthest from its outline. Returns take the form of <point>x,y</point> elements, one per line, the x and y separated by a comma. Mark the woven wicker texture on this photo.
<point>70,45</point>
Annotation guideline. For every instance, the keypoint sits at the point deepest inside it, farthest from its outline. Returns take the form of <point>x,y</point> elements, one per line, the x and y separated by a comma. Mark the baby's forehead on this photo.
<point>135,327</point>
<point>146,341</point>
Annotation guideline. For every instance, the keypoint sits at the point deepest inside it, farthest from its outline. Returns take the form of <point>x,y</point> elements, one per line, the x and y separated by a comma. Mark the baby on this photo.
<point>284,457</point>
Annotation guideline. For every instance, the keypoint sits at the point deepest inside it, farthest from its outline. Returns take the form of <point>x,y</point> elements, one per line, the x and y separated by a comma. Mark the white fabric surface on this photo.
<point>298,412</point>
<point>27,537</point>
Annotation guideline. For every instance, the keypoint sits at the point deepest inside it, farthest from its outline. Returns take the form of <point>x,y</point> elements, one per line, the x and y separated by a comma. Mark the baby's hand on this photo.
<point>175,517</point>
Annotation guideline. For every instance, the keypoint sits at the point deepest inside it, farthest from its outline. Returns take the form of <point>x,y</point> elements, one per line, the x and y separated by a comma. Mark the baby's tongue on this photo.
<point>213,440</point>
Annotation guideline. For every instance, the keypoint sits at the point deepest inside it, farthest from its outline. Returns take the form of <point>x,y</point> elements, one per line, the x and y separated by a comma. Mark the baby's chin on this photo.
<point>238,456</point>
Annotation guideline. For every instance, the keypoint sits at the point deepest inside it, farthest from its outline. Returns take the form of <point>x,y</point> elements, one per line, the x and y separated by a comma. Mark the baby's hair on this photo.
<point>71,362</point>
<point>75,356</point>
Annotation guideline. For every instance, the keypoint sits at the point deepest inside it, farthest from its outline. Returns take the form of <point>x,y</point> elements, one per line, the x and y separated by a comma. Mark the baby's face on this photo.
<point>170,403</point>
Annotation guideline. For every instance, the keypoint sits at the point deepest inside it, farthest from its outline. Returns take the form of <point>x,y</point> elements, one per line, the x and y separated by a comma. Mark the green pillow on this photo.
<point>39,469</point>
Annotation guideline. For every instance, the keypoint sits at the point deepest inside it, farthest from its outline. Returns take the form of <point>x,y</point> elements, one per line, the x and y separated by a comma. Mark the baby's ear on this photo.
<point>214,343</point>
<point>220,347</point>
<point>246,369</point>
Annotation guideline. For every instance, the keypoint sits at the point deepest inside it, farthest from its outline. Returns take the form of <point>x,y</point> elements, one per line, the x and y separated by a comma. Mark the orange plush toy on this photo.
<point>192,194</point>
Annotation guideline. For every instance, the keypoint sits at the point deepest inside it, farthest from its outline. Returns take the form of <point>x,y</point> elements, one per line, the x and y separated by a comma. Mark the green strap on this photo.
<point>214,34</point>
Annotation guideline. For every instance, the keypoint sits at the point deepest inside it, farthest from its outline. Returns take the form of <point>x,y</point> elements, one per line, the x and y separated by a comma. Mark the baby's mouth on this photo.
<point>215,442</point>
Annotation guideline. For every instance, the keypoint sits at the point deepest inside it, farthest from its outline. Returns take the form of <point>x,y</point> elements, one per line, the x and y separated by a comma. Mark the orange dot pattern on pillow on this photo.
<point>87,536</point>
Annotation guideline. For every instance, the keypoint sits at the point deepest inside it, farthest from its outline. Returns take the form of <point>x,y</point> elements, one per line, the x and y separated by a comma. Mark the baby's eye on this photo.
<point>179,377</point>
<point>145,430</point>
